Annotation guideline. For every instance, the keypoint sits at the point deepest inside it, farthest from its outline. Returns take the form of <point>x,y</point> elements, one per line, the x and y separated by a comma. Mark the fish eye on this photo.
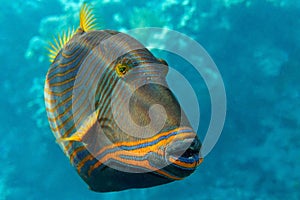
<point>121,69</point>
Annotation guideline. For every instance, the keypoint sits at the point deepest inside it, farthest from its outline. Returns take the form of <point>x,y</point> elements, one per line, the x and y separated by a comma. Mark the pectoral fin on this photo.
<point>83,132</point>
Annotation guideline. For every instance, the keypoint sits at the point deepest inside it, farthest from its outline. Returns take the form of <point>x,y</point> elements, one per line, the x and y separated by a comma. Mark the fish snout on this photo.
<point>184,152</point>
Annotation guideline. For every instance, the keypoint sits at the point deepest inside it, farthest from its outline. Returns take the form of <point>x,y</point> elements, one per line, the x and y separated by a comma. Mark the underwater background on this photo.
<point>254,43</point>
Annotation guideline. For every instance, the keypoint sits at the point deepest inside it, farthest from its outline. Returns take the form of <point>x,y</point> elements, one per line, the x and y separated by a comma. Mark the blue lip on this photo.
<point>185,151</point>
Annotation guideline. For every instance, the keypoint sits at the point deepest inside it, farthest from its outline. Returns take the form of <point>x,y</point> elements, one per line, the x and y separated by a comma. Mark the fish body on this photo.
<point>112,113</point>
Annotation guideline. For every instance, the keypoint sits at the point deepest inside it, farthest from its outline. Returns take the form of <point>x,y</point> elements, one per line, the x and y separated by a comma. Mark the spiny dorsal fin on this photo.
<point>59,42</point>
<point>87,18</point>
<point>87,23</point>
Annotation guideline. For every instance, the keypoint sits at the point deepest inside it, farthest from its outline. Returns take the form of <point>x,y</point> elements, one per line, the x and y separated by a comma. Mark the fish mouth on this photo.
<point>183,152</point>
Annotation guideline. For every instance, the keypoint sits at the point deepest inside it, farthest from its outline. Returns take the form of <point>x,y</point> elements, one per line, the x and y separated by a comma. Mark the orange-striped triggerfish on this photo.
<point>112,113</point>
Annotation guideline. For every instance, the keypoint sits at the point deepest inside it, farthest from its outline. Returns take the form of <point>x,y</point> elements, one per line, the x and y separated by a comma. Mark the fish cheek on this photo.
<point>113,132</point>
<point>151,94</point>
<point>139,110</point>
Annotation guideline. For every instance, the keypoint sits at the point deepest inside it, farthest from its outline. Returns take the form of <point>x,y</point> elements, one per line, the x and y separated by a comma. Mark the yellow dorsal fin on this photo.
<point>87,18</point>
<point>87,23</point>
<point>84,128</point>
<point>59,42</point>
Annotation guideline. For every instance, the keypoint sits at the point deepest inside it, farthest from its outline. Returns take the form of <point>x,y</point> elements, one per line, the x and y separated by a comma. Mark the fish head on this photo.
<point>147,115</point>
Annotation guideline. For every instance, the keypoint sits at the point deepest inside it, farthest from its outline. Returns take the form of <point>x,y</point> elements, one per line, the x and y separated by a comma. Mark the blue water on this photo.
<point>255,45</point>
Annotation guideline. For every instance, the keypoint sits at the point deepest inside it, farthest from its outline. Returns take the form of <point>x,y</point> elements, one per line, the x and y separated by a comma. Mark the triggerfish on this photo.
<point>112,113</point>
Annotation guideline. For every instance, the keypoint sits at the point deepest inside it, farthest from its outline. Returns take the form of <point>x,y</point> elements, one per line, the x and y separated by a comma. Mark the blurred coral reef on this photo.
<point>256,47</point>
